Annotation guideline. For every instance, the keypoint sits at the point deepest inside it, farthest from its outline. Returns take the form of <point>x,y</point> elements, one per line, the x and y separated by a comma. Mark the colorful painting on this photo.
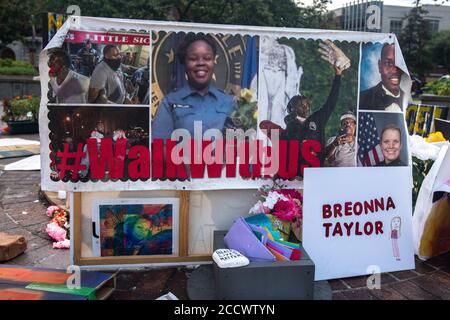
<point>136,228</point>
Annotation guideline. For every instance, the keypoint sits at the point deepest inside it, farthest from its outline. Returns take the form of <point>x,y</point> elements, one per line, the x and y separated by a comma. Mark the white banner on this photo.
<point>116,92</point>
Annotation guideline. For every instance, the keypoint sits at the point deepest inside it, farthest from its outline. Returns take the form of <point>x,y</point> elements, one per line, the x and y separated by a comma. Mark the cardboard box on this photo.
<point>289,280</point>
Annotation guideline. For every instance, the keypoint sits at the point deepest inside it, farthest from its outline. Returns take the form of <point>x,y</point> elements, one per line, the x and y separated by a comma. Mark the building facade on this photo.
<point>374,16</point>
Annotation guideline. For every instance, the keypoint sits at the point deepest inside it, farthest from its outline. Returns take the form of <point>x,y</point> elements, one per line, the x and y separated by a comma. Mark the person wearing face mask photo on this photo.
<point>107,81</point>
<point>199,99</point>
<point>67,86</point>
<point>391,145</point>
<point>387,94</point>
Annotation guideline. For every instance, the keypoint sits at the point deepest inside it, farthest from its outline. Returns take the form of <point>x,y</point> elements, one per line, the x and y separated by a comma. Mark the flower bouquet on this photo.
<point>246,113</point>
<point>283,207</point>
<point>424,152</point>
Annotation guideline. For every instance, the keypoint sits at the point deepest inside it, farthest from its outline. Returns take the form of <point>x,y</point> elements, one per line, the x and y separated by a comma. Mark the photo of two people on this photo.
<point>99,72</point>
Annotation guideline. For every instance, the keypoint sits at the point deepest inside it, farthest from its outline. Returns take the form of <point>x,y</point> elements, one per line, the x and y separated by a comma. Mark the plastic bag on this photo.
<point>436,178</point>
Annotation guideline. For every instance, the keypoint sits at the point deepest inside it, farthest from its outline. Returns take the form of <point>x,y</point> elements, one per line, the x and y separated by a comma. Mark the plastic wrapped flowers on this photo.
<point>58,227</point>
<point>283,207</point>
<point>424,152</point>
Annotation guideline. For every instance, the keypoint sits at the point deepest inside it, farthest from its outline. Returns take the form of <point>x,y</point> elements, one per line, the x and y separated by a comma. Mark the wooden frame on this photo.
<point>182,257</point>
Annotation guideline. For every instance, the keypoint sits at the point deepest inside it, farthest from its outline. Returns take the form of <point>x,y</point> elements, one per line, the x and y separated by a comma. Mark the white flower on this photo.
<point>272,199</point>
<point>422,149</point>
<point>257,208</point>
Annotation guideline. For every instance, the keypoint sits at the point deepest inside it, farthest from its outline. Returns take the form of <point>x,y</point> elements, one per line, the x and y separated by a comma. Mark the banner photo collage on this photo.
<point>150,109</point>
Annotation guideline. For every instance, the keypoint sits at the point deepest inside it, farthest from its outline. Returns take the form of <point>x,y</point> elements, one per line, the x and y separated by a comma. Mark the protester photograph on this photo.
<point>114,73</point>
<point>310,116</point>
<point>86,58</point>
<point>67,86</point>
<point>341,149</point>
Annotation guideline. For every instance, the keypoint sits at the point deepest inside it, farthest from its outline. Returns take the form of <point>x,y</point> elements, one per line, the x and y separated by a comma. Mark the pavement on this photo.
<point>22,211</point>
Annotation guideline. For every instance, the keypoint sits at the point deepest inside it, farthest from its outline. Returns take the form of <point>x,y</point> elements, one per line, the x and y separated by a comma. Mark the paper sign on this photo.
<point>357,220</point>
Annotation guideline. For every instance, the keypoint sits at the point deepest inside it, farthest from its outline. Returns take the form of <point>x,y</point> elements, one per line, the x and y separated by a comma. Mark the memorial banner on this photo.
<point>145,105</point>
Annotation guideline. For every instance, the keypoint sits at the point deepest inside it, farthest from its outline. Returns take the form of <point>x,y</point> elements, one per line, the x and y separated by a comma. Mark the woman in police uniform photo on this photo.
<point>199,99</point>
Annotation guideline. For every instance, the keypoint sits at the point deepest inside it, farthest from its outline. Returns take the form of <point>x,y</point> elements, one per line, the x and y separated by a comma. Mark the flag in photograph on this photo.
<point>369,151</point>
<point>250,70</point>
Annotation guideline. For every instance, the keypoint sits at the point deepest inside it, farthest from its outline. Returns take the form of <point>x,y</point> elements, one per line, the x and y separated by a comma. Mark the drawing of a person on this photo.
<point>396,223</point>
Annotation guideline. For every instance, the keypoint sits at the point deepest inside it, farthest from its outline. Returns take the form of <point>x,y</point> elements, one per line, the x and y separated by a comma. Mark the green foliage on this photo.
<point>439,87</point>
<point>21,109</point>
<point>23,71</point>
<point>438,48</point>
<point>13,67</point>
<point>279,13</point>
<point>18,16</point>
<point>420,170</point>
<point>318,76</point>
<point>413,40</point>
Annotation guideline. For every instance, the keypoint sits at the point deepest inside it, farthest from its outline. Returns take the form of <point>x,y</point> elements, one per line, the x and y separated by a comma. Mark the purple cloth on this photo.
<point>240,237</point>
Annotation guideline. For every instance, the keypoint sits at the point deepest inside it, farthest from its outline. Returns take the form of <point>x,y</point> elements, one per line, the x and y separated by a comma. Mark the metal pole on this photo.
<point>351,16</point>
<point>346,16</point>
<point>359,15</point>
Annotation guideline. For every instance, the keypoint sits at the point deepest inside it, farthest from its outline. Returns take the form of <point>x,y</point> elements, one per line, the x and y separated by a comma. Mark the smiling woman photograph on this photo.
<point>382,140</point>
<point>197,100</point>
<point>391,145</point>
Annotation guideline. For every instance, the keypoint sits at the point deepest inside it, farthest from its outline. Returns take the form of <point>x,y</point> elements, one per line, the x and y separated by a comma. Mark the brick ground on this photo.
<point>429,281</point>
<point>22,212</point>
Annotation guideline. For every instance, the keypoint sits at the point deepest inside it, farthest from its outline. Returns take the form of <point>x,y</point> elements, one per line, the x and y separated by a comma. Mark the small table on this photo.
<point>285,280</point>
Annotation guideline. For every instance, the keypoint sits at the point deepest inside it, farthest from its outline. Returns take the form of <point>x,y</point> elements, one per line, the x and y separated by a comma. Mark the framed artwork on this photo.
<point>135,227</point>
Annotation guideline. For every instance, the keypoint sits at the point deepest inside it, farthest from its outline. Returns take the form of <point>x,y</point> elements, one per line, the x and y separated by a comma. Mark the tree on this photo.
<point>413,39</point>
<point>16,18</point>
<point>277,13</point>
<point>439,49</point>
<point>15,15</point>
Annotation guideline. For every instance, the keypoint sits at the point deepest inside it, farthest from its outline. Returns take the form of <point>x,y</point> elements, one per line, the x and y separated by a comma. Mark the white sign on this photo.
<point>354,218</point>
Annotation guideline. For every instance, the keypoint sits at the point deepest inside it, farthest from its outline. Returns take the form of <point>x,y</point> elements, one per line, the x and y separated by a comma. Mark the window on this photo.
<point>433,26</point>
<point>396,27</point>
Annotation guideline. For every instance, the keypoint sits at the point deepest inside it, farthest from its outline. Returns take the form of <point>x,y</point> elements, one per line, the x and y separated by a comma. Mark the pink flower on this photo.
<point>56,232</point>
<point>51,210</point>
<point>65,244</point>
<point>287,210</point>
<point>291,193</point>
<point>272,198</point>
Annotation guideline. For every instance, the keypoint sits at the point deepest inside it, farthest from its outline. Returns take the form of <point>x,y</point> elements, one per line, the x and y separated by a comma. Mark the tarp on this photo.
<point>28,164</point>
